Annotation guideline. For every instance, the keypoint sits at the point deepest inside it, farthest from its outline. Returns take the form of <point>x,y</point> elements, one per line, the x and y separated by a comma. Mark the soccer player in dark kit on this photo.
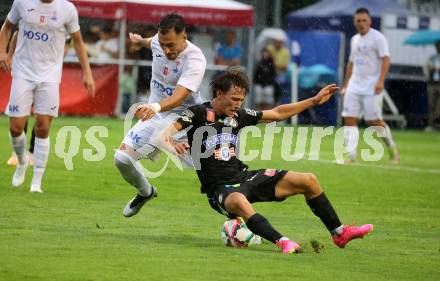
<point>230,187</point>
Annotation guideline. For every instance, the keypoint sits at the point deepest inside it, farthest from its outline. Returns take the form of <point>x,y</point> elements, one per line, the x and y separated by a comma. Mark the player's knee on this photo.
<point>237,203</point>
<point>312,182</point>
<point>15,131</point>
<point>41,130</point>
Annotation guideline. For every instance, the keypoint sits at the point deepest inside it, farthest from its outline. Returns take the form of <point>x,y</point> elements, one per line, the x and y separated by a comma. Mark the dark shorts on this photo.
<point>258,186</point>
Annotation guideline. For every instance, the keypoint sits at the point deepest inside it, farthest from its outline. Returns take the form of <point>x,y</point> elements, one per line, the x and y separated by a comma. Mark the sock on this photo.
<point>132,172</point>
<point>387,139</point>
<point>19,147</point>
<point>323,209</point>
<point>261,226</point>
<point>32,143</point>
<point>351,138</point>
<point>41,153</point>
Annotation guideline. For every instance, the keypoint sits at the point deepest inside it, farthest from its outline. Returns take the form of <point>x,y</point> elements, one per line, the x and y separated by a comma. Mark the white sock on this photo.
<point>351,137</point>
<point>132,171</point>
<point>19,147</point>
<point>338,230</point>
<point>41,153</point>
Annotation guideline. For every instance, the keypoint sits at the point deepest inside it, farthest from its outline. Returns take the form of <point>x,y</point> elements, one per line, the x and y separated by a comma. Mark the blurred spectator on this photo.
<point>433,71</point>
<point>91,38</point>
<point>144,74</point>
<point>264,80</point>
<point>281,59</point>
<point>128,86</point>
<point>229,53</point>
<point>108,45</point>
<point>280,55</point>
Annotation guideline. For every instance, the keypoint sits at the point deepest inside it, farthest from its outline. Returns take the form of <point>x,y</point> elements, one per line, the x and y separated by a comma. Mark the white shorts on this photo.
<point>44,96</point>
<point>142,139</point>
<point>367,106</point>
<point>264,94</point>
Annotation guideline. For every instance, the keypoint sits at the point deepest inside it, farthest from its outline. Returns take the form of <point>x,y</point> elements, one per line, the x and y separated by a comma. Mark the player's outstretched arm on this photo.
<point>5,33</point>
<point>164,140</point>
<point>284,111</point>
<point>137,42</point>
<point>81,53</point>
<point>147,111</point>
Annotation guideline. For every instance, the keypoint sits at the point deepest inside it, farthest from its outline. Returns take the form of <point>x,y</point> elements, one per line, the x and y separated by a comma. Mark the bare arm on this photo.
<point>348,72</point>
<point>137,42</point>
<point>383,74</point>
<point>12,45</point>
<point>284,111</point>
<point>147,111</point>
<point>5,33</point>
<point>81,53</point>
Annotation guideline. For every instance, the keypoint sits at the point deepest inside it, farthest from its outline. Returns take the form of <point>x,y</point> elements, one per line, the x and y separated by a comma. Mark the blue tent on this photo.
<point>337,15</point>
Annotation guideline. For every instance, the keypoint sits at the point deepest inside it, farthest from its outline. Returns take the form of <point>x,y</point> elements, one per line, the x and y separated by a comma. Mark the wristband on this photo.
<point>156,107</point>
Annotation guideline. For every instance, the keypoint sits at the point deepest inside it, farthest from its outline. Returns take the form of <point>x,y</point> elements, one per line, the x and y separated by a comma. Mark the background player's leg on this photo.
<point>387,139</point>
<point>351,136</point>
<point>236,203</point>
<point>41,151</point>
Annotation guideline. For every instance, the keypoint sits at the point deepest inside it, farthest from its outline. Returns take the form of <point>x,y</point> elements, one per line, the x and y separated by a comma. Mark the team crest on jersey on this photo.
<point>270,172</point>
<point>224,152</point>
<point>42,19</point>
<point>165,71</point>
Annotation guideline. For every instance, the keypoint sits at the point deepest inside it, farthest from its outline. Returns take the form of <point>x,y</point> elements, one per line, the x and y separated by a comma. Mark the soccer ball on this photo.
<point>235,233</point>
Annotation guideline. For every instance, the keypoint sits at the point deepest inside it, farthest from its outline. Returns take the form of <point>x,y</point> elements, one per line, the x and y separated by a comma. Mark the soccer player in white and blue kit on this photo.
<point>364,84</point>
<point>177,72</point>
<point>36,71</point>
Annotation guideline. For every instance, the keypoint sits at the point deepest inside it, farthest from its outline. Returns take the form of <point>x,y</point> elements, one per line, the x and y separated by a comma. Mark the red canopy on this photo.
<point>196,12</point>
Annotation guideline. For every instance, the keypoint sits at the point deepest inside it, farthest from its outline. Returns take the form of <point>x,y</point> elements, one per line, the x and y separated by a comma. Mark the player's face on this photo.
<point>362,23</point>
<point>232,100</point>
<point>172,44</point>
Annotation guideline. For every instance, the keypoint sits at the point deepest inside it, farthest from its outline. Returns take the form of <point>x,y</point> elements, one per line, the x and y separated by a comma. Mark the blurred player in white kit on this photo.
<point>36,71</point>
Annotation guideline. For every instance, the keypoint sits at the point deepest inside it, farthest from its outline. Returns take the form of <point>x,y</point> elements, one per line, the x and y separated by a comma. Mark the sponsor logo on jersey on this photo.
<point>270,172</point>
<point>29,34</point>
<point>134,137</point>
<point>213,141</point>
<point>161,88</point>
<point>250,112</point>
<point>13,108</point>
<point>229,121</point>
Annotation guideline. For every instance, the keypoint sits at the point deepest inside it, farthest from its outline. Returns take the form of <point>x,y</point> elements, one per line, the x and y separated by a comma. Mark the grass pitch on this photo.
<point>75,229</point>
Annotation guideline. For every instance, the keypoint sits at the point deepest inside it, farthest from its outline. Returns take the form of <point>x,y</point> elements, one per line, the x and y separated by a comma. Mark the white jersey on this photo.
<point>366,54</point>
<point>186,70</point>
<point>41,37</point>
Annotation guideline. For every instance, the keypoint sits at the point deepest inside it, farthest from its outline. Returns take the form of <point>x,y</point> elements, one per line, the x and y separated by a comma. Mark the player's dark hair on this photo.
<point>172,21</point>
<point>362,11</point>
<point>232,77</point>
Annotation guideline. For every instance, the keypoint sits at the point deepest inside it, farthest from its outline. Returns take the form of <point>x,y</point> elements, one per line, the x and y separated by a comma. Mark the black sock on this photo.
<point>261,226</point>
<point>32,145</point>
<point>323,209</point>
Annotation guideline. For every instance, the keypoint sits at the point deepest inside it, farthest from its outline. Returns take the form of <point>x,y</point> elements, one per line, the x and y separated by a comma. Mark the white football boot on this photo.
<point>135,205</point>
<point>20,172</point>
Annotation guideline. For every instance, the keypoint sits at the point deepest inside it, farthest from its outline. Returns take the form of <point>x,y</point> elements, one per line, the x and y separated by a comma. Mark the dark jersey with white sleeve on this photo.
<point>214,142</point>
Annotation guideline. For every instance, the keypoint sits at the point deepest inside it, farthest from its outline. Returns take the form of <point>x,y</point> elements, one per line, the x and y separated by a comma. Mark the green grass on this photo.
<point>75,229</point>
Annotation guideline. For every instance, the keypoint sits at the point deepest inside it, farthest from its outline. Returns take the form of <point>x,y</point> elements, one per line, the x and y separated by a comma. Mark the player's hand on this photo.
<point>145,112</point>
<point>181,148</point>
<point>5,62</point>
<point>136,42</point>
<point>89,84</point>
<point>343,91</point>
<point>325,94</point>
<point>379,88</point>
